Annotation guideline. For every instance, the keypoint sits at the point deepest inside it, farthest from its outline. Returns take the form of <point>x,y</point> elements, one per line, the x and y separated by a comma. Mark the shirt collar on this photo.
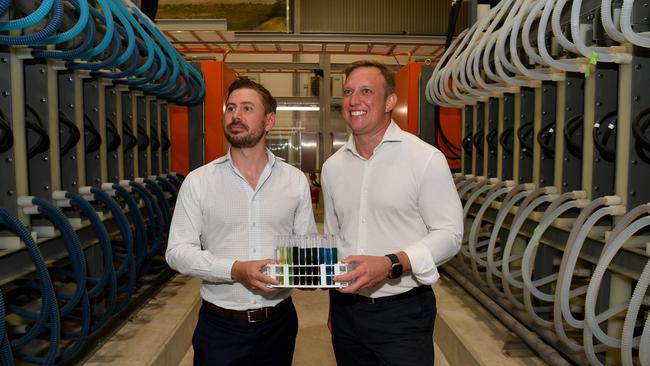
<point>393,134</point>
<point>228,158</point>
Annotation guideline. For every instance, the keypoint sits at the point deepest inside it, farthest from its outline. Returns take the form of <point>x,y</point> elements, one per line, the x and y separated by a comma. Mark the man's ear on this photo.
<point>391,100</point>
<point>269,121</point>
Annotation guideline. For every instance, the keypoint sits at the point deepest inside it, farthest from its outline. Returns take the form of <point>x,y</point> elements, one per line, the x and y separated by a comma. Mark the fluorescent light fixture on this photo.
<point>298,108</point>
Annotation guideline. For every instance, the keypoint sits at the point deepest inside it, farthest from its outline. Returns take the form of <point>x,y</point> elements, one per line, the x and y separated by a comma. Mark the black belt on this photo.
<point>341,298</point>
<point>251,315</point>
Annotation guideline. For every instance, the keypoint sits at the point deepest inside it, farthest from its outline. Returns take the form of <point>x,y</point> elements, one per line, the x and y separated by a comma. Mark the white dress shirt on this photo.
<point>219,218</point>
<point>402,198</point>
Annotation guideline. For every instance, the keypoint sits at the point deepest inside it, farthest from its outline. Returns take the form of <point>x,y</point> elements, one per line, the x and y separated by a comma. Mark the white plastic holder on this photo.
<point>282,273</point>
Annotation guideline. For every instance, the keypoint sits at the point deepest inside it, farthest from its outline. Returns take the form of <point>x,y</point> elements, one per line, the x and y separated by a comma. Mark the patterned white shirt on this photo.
<point>402,198</point>
<point>219,218</point>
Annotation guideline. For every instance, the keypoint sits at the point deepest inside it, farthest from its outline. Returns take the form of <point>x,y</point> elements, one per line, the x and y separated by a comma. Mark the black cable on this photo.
<point>572,129</point>
<point>130,141</point>
<point>639,129</point>
<point>453,150</point>
<point>546,139</point>
<point>143,139</point>
<point>478,142</point>
<point>454,14</point>
<point>600,142</point>
<point>155,142</point>
<point>507,136</point>
<point>6,135</point>
<point>492,141</point>
<point>43,142</point>
<point>113,137</point>
<point>95,142</point>
<point>73,131</point>
<point>467,143</point>
<point>525,134</point>
<point>166,143</point>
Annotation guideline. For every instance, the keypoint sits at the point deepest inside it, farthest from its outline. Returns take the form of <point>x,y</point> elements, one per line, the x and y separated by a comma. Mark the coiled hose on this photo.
<point>40,36</point>
<point>5,347</point>
<point>49,312</point>
<point>106,285</point>
<point>78,275</point>
<point>126,272</point>
<point>140,232</point>
<point>155,232</point>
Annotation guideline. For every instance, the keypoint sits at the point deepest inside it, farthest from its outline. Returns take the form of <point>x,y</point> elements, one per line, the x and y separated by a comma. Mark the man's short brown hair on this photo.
<point>270,104</point>
<point>389,76</point>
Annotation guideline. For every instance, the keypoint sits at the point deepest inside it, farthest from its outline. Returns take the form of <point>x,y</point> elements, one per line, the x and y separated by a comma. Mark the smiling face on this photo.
<point>366,103</point>
<point>245,120</point>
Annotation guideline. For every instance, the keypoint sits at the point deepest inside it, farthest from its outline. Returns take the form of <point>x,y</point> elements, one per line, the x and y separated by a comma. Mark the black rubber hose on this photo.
<point>600,142</point>
<point>525,133</point>
<point>113,137</point>
<point>166,143</point>
<point>492,140</point>
<point>43,142</point>
<point>478,142</point>
<point>143,139</point>
<point>642,142</point>
<point>155,142</point>
<point>506,137</point>
<point>74,134</point>
<point>572,128</point>
<point>6,135</point>
<point>546,139</point>
<point>95,141</point>
<point>130,141</point>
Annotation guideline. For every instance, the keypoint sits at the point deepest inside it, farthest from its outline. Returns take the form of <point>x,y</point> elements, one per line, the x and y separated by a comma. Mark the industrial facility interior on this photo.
<point>538,106</point>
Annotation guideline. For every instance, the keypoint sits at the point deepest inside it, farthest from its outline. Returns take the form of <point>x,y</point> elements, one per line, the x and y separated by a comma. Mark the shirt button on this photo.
<point>363,220</point>
<point>254,250</point>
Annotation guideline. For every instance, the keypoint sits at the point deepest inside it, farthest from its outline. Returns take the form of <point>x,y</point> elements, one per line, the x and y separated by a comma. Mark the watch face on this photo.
<point>396,271</point>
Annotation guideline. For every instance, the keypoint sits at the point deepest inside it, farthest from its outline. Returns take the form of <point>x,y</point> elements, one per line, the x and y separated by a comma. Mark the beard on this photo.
<point>247,139</point>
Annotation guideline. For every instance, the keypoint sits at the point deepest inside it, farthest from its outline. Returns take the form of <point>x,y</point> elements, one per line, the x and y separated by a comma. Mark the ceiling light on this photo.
<point>298,108</point>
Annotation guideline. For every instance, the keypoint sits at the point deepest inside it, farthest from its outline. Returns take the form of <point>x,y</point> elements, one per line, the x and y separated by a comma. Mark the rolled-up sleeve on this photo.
<point>184,252</point>
<point>442,213</point>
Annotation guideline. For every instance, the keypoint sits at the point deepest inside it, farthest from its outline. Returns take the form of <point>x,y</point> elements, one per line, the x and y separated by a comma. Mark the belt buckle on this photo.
<point>249,312</point>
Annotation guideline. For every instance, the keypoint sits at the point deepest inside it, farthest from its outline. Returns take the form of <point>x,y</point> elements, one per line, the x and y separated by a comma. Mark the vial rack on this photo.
<point>308,261</point>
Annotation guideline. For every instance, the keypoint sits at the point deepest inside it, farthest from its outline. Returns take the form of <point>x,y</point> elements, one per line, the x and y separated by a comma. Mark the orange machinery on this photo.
<point>218,78</point>
<point>407,111</point>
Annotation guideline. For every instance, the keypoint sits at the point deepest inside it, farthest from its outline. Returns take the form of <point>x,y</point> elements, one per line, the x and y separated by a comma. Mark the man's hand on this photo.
<point>249,273</point>
<point>369,272</point>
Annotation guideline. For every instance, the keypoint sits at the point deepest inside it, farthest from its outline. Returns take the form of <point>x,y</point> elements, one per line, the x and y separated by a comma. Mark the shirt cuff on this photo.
<point>423,266</point>
<point>222,269</point>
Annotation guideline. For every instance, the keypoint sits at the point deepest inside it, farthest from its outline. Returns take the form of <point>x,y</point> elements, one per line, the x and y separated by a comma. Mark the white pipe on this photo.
<point>639,39</point>
<point>603,54</point>
<point>608,22</point>
<point>570,65</point>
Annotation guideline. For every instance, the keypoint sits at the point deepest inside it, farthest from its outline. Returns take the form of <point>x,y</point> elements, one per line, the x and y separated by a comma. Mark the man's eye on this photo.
<point>366,91</point>
<point>230,109</point>
<point>248,109</point>
<point>347,92</point>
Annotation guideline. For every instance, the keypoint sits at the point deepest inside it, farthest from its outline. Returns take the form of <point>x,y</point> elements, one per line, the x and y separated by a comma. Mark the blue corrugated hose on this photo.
<point>127,269</point>
<point>29,20</point>
<point>6,357</point>
<point>49,312</point>
<point>50,28</point>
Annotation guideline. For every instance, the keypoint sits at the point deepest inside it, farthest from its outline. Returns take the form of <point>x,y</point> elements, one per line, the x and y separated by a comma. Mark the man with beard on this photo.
<point>226,216</point>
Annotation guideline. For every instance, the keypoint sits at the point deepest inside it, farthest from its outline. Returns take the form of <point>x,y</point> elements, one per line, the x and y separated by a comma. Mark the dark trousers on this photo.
<point>398,332</point>
<point>220,341</point>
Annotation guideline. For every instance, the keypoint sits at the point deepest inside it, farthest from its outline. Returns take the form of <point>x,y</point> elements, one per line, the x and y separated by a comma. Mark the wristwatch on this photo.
<point>395,267</point>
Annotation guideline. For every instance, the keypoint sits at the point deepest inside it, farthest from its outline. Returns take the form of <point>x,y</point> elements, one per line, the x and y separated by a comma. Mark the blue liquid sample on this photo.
<point>328,264</point>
